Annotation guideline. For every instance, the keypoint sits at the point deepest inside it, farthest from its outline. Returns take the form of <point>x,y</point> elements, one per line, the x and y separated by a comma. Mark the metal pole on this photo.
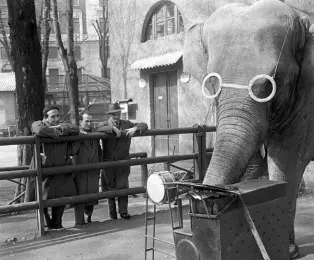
<point>203,151</point>
<point>39,192</point>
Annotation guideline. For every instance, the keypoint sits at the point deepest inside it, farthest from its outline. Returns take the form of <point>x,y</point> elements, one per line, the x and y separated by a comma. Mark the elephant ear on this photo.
<point>304,34</point>
<point>284,115</point>
<point>195,55</point>
<point>305,81</point>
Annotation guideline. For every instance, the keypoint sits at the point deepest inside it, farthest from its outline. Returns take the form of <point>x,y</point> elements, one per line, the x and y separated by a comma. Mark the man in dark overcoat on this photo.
<point>118,149</point>
<point>54,154</point>
<point>87,151</point>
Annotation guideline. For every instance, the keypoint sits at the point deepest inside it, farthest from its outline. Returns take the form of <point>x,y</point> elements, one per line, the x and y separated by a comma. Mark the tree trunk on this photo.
<point>72,67</point>
<point>68,58</point>
<point>72,82</point>
<point>45,41</point>
<point>26,55</point>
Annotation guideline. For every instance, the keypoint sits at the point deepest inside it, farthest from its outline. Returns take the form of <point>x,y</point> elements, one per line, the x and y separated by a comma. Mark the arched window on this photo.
<point>165,20</point>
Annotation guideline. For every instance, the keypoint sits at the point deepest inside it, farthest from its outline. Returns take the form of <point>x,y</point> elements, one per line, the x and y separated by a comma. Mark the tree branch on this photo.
<point>5,42</point>
<point>62,50</point>
<point>45,41</point>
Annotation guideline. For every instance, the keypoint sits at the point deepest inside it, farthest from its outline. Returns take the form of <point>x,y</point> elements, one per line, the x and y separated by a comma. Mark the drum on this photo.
<point>157,190</point>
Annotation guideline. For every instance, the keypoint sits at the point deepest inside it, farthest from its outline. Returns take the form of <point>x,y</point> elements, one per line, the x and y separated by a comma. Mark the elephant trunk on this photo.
<point>241,130</point>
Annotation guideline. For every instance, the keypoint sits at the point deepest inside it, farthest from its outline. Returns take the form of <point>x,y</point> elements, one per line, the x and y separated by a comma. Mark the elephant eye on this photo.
<point>262,88</point>
<point>211,86</point>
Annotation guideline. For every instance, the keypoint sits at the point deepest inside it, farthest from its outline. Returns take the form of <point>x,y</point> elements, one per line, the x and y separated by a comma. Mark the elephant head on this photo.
<point>237,43</point>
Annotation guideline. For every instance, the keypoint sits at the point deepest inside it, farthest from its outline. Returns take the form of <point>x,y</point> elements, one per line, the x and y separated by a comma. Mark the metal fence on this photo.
<point>201,157</point>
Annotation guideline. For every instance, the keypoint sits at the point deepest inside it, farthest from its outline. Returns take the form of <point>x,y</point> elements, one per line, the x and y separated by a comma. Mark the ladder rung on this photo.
<point>155,249</point>
<point>150,218</point>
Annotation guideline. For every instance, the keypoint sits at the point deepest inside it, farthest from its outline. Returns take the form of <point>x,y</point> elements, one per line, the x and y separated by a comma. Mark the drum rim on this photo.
<point>161,175</point>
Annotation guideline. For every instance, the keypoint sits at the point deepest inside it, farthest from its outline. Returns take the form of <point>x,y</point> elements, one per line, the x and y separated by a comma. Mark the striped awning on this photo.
<point>157,61</point>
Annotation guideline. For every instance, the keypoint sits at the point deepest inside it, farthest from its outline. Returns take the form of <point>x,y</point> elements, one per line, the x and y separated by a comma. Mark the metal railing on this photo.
<point>8,173</point>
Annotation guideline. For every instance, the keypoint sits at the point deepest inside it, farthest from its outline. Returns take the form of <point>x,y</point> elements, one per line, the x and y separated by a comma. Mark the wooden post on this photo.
<point>195,161</point>
<point>39,193</point>
<point>201,163</point>
<point>144,174</point>
<point>167,166</point>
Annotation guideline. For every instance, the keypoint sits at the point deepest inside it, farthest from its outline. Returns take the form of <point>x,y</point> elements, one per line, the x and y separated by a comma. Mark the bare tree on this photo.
<point>68,56</point>
<point>26,56</point>
<point>102,28</point>
<point>122,17</point>
<point>4,39</point>
<point>46,29</point>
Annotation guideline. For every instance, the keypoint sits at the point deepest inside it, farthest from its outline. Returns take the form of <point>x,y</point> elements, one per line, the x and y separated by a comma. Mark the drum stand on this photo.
<point>178,207</point>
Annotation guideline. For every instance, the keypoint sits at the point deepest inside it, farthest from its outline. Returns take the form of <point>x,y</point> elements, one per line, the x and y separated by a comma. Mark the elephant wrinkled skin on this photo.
<point>239,42</point>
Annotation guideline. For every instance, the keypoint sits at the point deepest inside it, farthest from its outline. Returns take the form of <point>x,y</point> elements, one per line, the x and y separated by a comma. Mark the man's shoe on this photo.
<point>50,226</point>
<point>59,226</point>
<point>79,225</point>
<point>89,219</point>
<point>125,215</point>
<point>293,251</point>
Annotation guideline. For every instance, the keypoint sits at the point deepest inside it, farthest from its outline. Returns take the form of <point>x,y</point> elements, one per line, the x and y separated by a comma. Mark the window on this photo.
<point>76,2</point>
<point>79,74</point>
<point>53,52</point>
<point>4,55</point>
<point>6,67</point>
<point>77,52</point>
<point>165,20</point>
<point>76,25</point>
<point>53,76</point>
<point>2,117</point>
<point>5,20</point>
<point>63,23</point>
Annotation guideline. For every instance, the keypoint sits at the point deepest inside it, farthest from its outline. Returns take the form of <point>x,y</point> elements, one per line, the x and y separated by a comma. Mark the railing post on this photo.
<point>144,176</point>
<point>40,211</point>
<point>167,166</point>
<point>144,173</point>
<point>201,166</point>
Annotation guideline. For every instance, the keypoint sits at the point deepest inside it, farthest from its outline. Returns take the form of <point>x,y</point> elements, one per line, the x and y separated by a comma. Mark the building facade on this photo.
<point>7,100</point>
<point>154,69</point>
<point>155,65</point>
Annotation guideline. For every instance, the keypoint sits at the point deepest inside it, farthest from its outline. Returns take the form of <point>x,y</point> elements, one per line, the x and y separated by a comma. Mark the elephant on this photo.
<point>256,63</point>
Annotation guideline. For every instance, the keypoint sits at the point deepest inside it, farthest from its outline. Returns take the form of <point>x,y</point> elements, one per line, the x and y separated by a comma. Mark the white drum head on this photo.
<point>155,188</point>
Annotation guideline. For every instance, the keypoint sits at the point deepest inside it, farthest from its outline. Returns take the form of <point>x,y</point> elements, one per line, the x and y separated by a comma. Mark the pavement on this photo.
<point>115,240</point>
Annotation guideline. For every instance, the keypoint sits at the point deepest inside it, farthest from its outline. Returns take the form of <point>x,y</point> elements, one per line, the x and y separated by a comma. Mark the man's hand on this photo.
<point>56,127</point>
<point>130,133</point>
<point>117,131</point>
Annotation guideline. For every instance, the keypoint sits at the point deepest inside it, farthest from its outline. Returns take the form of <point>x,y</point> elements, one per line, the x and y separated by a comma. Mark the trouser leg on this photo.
<point>79,214</point>
<point>47,218</point>
<point>112,208</point>
<point>57,213</point>
<point>123,183</point>
<point>88,212</point>
<point>123,204</point>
